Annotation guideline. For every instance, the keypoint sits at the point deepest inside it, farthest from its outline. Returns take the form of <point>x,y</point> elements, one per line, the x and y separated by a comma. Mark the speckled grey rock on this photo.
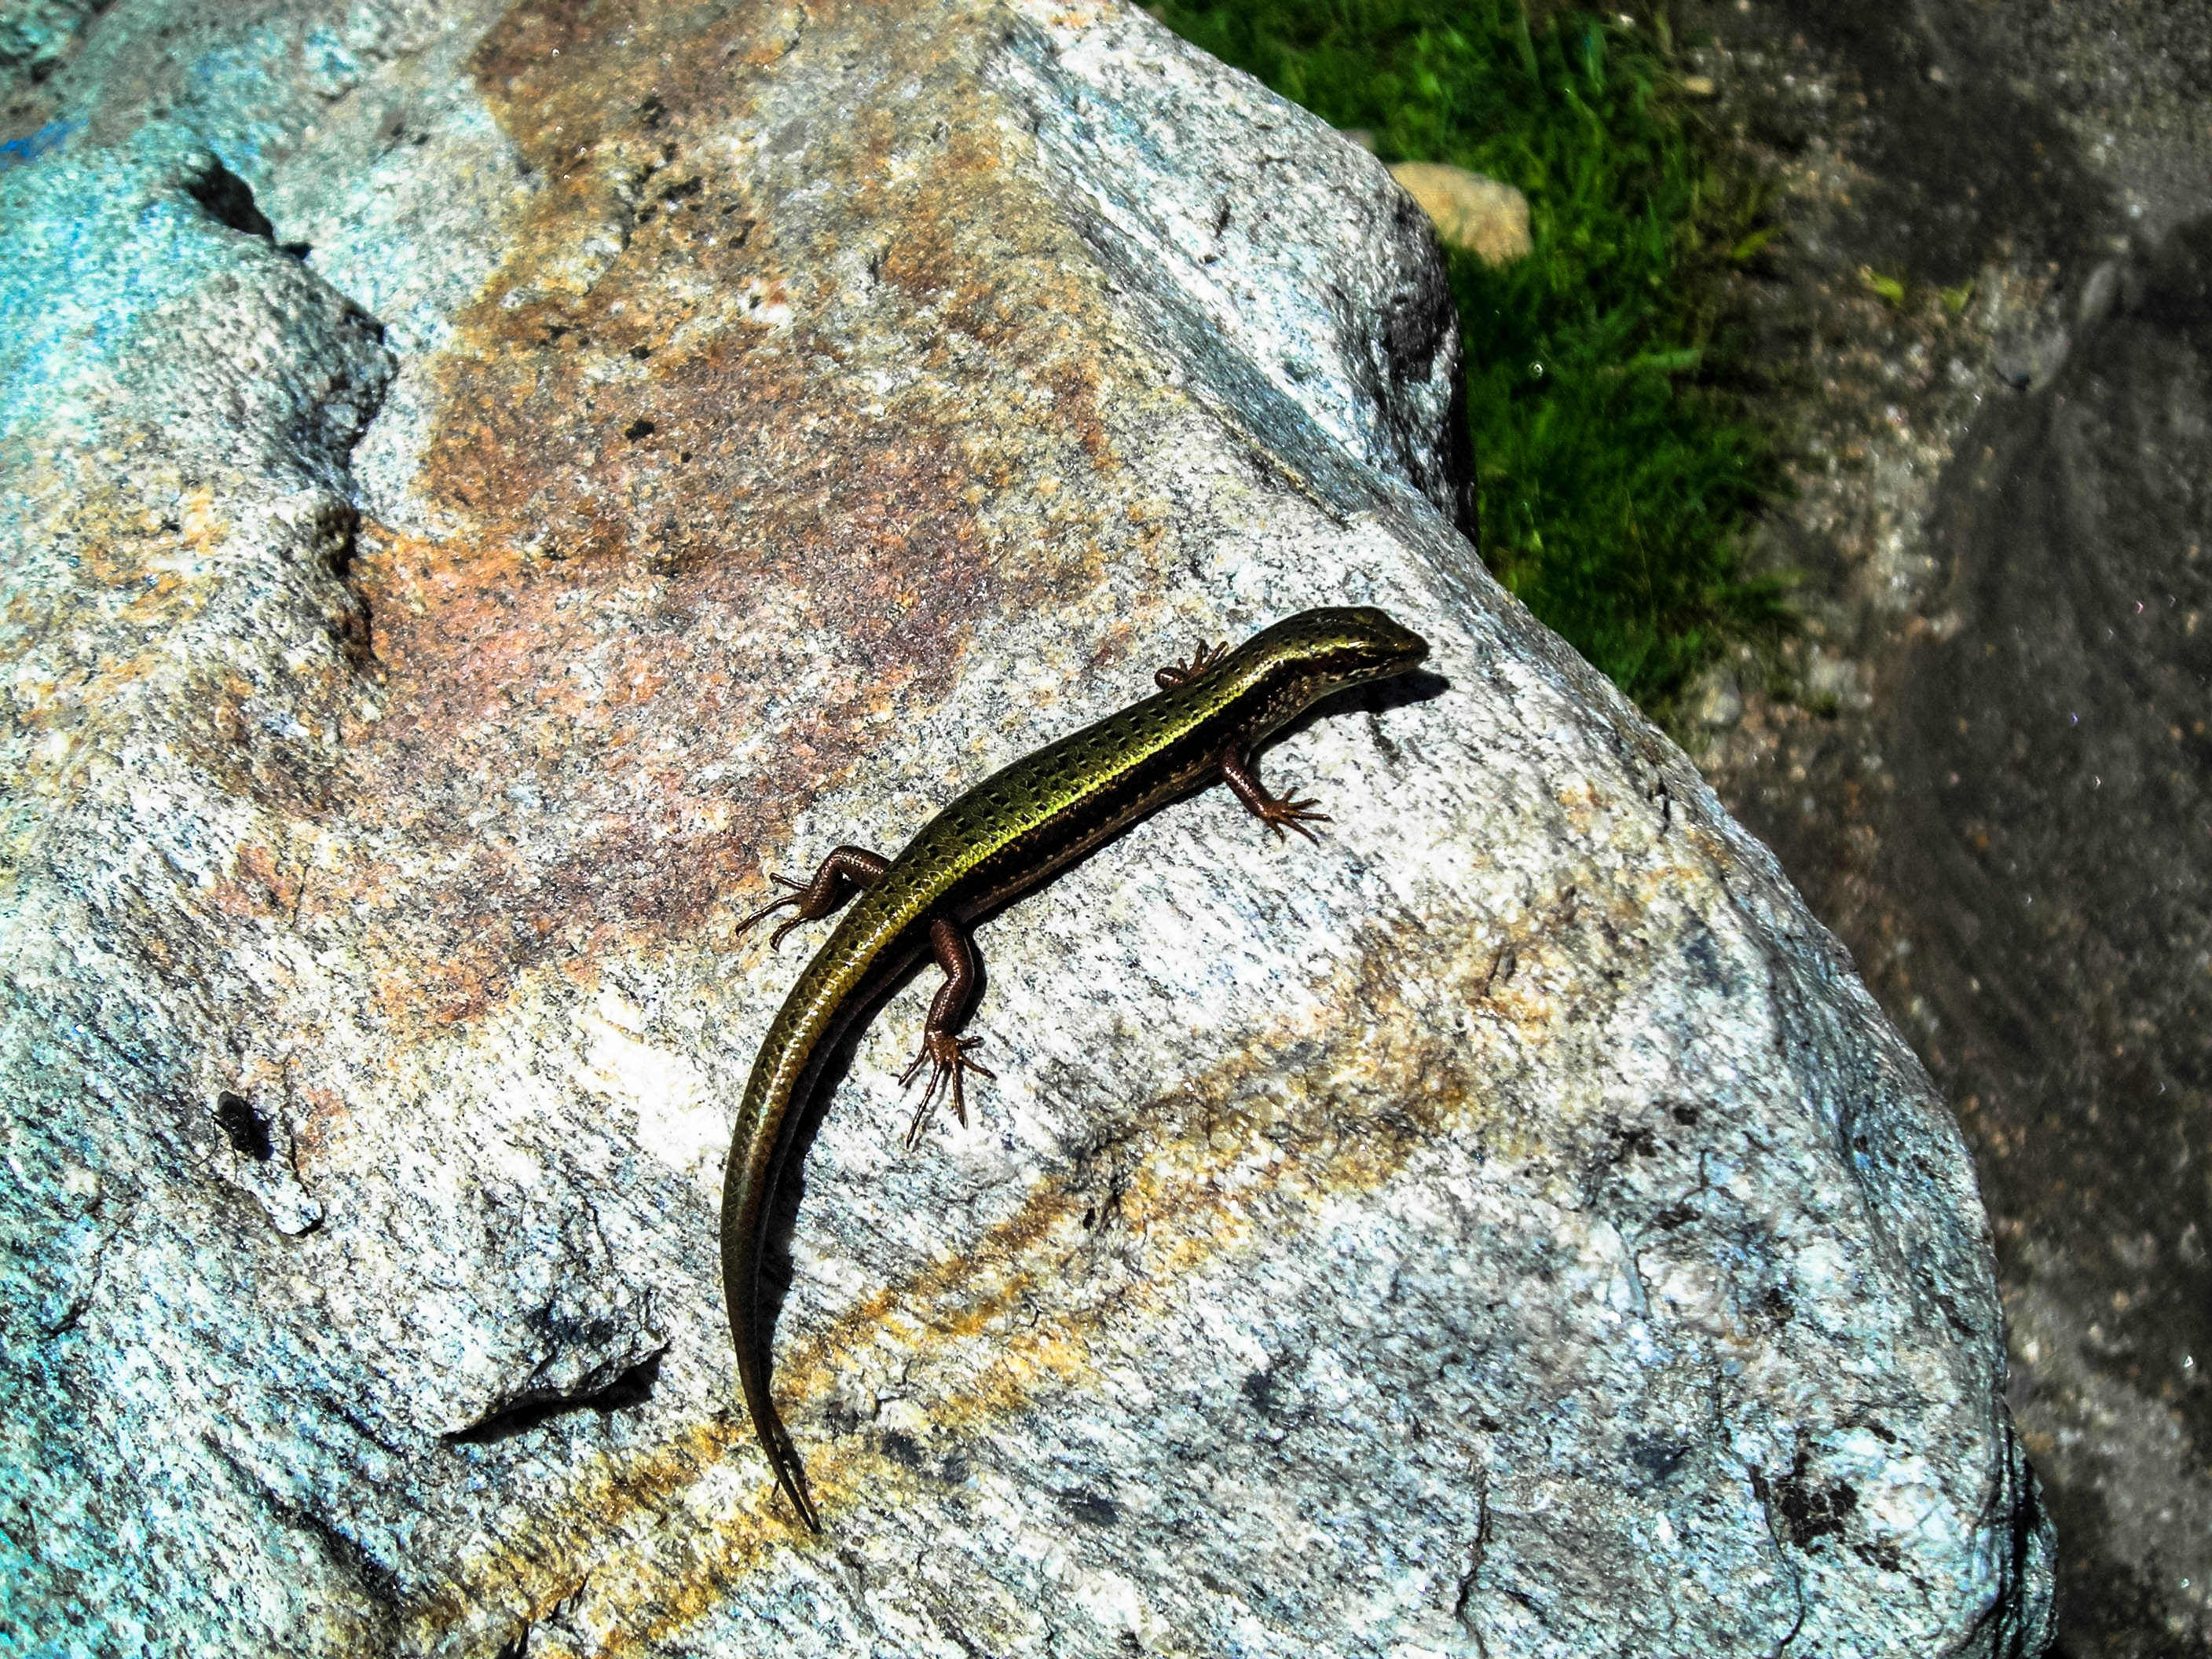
<point>37,34</point>
<point>478,493</point>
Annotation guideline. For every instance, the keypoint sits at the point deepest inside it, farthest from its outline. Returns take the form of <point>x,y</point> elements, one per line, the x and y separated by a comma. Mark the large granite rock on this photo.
<point>478,492</point>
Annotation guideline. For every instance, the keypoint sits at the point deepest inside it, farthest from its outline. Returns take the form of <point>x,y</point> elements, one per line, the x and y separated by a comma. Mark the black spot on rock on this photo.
<point>1259,1392</point>
<point>1656,1458</point>
<point>1804,1510</point>
<point>1090,1507</point>
<point>1884,1556</point>
<point>247,1129</point>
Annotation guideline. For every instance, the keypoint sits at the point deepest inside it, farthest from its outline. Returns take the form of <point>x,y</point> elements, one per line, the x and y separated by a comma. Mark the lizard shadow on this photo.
<point>1419,686</point>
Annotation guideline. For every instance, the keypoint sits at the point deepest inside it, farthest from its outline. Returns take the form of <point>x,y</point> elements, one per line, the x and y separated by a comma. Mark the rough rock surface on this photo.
<point>480,489</point>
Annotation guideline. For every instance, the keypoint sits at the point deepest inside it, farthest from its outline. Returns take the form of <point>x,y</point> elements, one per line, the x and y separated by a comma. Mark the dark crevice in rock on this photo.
<point>632,1388</point>
<point>71,1317</point>
<point>1761,1491</point>
<point>378,1582</point>
<point>228,200</point>
<point>348,1412</point>
<point>1090,1507</point>
<point>2016,1619</point>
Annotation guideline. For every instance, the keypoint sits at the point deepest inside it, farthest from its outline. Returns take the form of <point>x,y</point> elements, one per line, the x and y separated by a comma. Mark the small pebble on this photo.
<point>1470,212</point>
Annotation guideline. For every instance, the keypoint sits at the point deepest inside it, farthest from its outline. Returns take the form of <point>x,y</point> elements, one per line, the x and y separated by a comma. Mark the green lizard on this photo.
<point>1003,837</point>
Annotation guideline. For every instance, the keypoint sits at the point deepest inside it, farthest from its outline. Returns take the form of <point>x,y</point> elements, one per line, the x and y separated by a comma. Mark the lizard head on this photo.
<point>1305,657</point>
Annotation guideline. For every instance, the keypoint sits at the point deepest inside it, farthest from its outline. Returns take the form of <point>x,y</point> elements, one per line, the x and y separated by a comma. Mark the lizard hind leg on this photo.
<point>943,1049</point>
<point>847,871</point>
<point>947,1056</point>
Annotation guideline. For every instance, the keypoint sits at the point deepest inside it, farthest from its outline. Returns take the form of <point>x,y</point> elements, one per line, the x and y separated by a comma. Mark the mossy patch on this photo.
<point>1617,465</point>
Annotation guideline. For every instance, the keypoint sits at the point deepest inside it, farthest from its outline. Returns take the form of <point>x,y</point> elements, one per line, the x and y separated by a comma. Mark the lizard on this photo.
<point>1006,835</point>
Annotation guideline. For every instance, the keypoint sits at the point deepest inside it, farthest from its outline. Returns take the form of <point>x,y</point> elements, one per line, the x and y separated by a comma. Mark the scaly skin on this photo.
<point>1003,837</point>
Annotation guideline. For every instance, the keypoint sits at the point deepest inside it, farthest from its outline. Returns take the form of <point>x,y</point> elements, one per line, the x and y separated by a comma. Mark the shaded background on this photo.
<point>1945,266</point>
<point>1996,791</point>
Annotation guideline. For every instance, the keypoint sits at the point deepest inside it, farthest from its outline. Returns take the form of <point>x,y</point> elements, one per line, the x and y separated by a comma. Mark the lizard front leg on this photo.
<point>846,872</point>
<point>1180,674</point>
<point>1236,771</point>
<point>943,1049</point>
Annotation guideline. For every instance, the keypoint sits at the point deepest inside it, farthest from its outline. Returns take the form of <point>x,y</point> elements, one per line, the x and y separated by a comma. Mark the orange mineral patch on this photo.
<point>761,414</point>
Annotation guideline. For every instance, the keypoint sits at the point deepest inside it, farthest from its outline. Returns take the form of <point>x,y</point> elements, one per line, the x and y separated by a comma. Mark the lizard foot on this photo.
<point>947,1056</point>
<point>1298,814</point>
<point>1182,673</point>
<point>847,871</point>
<point>796,895</point>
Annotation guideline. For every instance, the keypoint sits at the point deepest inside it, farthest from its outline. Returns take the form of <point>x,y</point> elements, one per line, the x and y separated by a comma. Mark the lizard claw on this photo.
<point>947,1057</point>
<point>1298,814</point>
<point>796,888</point>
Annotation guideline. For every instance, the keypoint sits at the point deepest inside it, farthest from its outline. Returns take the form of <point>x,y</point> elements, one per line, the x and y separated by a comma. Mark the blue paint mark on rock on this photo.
<point>15,152</point>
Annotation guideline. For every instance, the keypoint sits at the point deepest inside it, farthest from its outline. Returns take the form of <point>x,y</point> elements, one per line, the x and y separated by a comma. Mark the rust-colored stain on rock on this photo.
<point>758,416</point>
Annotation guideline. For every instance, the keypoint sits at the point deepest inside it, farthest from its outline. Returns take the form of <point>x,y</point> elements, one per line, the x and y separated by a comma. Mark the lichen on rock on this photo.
<point>483,489</point>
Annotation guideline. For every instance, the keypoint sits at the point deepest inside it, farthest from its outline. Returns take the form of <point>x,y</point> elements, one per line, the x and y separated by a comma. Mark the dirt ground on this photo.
<point>1987,335</point>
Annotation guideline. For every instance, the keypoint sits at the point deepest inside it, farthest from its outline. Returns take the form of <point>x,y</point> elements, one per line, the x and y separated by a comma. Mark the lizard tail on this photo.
<point>742,1288</point>
<point>747,1186</point>
<point>782,1456</point>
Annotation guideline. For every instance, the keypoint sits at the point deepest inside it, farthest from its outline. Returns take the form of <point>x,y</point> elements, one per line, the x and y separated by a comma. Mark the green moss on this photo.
<point>1617,464</point>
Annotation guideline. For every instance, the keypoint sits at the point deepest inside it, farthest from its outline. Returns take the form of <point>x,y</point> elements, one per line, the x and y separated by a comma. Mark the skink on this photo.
<point>1008,834</point>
